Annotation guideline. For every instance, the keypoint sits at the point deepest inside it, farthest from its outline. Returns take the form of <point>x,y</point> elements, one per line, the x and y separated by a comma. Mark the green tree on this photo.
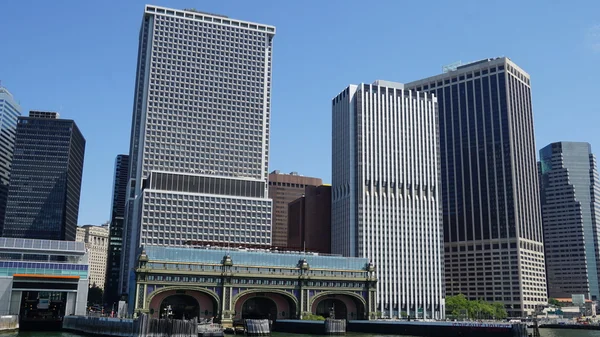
<point>94,295</point>
<point>554,302</point>
<point>456,305</point>
<point>499,310</point>
<point>311,317</point>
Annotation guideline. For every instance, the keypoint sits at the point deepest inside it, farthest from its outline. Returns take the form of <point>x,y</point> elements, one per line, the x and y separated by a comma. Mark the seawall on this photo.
<point>9,323</point>
<point>99,326</point>
<point>418,328</point>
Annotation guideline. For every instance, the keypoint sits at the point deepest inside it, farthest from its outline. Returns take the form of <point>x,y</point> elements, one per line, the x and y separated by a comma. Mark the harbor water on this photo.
<point>544,333</point>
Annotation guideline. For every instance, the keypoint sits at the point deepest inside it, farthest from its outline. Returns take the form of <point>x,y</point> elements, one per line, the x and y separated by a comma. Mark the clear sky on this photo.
<point>79,58</point>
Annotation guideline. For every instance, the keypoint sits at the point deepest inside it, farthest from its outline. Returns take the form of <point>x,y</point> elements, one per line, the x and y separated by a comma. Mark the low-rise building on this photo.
<point>569,309</point>
<point>309,220</point>
<point>42,279</point>
<point>234,284</point>
<point>96,244</point>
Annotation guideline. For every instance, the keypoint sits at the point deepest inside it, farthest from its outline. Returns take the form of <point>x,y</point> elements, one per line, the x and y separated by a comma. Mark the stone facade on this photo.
<point>222,281</point>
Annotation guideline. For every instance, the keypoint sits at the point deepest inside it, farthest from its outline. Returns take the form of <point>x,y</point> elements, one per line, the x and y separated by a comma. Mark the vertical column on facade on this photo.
<point>301,309</point>
<point>145,303</point>
<point>226,313</point>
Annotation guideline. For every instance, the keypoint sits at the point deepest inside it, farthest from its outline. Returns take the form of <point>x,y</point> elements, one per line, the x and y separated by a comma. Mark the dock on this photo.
<point>412,328</point>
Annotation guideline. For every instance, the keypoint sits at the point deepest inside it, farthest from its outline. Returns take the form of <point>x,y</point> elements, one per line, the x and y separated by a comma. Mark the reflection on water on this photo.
<point>543,332</point>
<point>569,333</point>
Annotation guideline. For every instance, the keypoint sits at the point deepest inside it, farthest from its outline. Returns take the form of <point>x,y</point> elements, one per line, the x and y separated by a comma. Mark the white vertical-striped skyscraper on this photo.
<point>10,111</point>
<point>200,133</point>
<point>386,191</point>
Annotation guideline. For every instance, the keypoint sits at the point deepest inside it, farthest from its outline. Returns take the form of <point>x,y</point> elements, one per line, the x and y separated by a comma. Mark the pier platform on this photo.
<point>413,328</point>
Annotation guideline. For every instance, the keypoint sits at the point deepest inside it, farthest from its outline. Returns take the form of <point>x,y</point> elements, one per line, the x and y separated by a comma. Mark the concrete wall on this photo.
<point>82,294</point>
<point>15,302</point>
<point>5,293</point>
<point>9,323</point>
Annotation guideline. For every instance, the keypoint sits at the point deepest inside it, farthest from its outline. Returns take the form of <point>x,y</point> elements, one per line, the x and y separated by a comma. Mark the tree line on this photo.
<point>460,307</point>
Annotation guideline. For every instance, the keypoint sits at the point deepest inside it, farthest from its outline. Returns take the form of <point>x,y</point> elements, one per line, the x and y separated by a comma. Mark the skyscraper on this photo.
<point>200,132</point>
<point>283,189</point>
<point>45,181</point>
<point>117,216</point>
<point>490,191</point>
<point>570,192</point>
<point>9,112</point>
<point>385,193</point>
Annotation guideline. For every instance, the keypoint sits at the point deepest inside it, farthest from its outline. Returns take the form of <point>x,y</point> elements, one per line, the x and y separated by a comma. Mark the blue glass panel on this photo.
<point>254,258</point>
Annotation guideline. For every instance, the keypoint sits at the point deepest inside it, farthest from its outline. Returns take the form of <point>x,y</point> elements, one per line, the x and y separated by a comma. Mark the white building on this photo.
<point>199,147</point>
<point>385,191</point>
<point>48,274</point>
<point>96,245</point>
<point>10,110</point>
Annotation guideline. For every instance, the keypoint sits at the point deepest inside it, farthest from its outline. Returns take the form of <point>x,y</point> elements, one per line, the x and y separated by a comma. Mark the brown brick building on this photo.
<point>283,189</point>
<point>309,220</point>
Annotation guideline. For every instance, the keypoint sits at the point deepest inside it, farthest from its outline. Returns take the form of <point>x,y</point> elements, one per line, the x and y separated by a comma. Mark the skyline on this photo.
<point>82,90</point>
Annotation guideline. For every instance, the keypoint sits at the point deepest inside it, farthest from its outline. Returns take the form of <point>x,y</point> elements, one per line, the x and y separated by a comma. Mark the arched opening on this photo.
<point>179,307</point>
<point>284,305</point>
<point>332,308</point>
<point>342,306</point>
<point>259,308</point>
<point>208,305</point>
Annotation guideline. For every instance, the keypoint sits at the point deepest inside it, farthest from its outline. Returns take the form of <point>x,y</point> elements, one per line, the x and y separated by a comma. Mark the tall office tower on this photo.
<point>96,245</point>
<point>385,193</point>
<point>309,220</point>
<point>10,110</point>
<point>45,181</point>
<point>200,133</point>
<point>570,192</point>
<point>283,189</point>
<point>117,216</point>
<point>490,192</point>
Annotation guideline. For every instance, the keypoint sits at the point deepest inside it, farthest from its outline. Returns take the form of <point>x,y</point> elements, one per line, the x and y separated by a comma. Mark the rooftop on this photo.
<point>194,14</point>
<point>254,257</point>
<point>3,90</point>
<point>389,84</point>
<point>50,247</point>
<point>44,114</point>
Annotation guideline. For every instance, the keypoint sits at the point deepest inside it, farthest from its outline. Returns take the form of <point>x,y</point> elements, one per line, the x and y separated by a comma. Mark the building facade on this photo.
<point>36,288</point>
<point>232,284</point>
<point>96,245</point>
<point>200,132</point>
<point>117,219</point>
<point>45,182</point>
<point>283,189</point>
<point>490,192</point>
<point>385,193</point>
<point>10,110</point>
<point>570,197</point>
<point>309,220</point>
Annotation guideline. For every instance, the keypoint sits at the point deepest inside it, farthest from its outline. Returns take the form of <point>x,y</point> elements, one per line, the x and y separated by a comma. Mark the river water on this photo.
<point>543,332</point>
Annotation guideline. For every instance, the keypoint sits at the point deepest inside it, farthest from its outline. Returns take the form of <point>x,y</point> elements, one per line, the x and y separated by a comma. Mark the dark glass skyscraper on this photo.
<point>117,216</point>
<point>45,182</point>
<point>570,189</point>
<point>490,191</point>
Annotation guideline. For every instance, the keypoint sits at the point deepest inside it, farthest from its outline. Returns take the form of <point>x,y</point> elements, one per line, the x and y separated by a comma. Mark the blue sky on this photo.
<point>79,57</point>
